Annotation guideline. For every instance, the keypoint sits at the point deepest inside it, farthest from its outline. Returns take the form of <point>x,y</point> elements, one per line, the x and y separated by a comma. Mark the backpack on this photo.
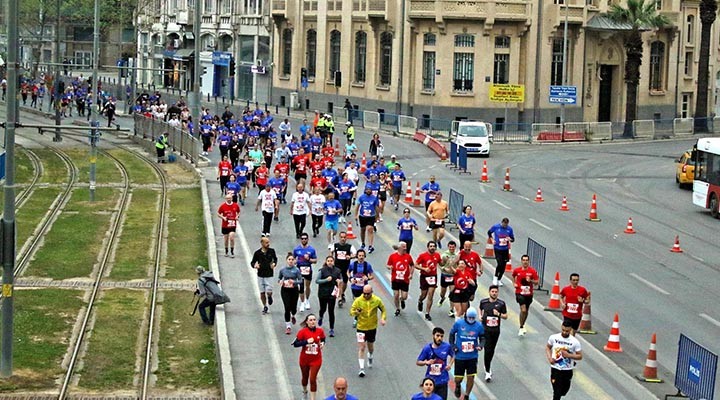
<point>213,292</point>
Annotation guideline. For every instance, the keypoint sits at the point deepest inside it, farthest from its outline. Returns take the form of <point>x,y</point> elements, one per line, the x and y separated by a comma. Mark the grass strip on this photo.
<point>186,350</point>
<point>134,255</point>
<point>54,169</point>
<point>43,324</point>
<point>24,171</point>
<point>110,360</point>
<point>139,171</point>
<point>186,247</point>
<point>34,210</point>
<point>72,246</point>
<point>106,171</point>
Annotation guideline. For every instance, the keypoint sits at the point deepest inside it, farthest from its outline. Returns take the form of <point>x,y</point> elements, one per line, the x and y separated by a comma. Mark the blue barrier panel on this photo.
<point>453,155</point>
<point>462,160</point>
<point>455,204</point>
<point>536,252</point>
<point>696,369</point>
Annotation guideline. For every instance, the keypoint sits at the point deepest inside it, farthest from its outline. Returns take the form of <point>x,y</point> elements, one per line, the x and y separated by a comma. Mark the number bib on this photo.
<point>492,322</point>
<point>311,349</point>
<point>360,337</point>
<point>573,308</point>
<point>436,369</point>
<point>430,280</point>
<point>449,279</point>
<point>525,290</point>
<point>467,347</point>
<point>503,241</point>
<point>231,223</point>
<point>305,270</point>
<point>288,284</point>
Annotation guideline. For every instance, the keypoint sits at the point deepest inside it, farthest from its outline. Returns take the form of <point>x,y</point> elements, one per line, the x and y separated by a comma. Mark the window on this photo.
<point>501,69</point>
<point>556,69</point>
<point>208,6</point>
<point>657,60</point>
<point>386,39</point>
<point>685,111</point>
<point>658,5</point>
<point>428,71</point>
<point>223,6</point>
<point>558,1</point>
<point>334,52</point>
<point>429,39</point>
<point>463,72</point>
<point>464,40</point>
<point>690,27</point>
<point>360,56</point>
<point>502,42</point>
<point>287,51</point>
<point>311,55</point>
<point>688,63</point>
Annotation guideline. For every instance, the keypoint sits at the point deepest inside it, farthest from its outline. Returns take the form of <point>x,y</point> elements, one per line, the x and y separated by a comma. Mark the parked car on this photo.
<point>685,171</point>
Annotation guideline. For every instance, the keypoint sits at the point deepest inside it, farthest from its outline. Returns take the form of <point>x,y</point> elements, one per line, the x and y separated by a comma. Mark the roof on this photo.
<point>183,53</point>
<point>602,22</point>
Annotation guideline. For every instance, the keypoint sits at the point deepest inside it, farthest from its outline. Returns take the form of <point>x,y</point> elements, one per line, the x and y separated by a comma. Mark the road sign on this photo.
<point>304,83</point>
<point>563,94</point>
<point>257,69</point>
<point>507,93</point>
<point>2,165</point>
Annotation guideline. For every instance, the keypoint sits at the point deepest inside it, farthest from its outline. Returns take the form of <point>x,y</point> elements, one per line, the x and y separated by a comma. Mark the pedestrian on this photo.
<point>375,145</point>
<point>525,278</point>
<point>501,235</point>
<point>572,299</point>
<point>468,337</point>
<point>290,280</point>
<point>405,225</point>
<point>328,280</point>
<point>460,295</point>
<point>448,263</point>
<point>562,352</point>
<point>466,226</point>
<point>474,265</point>
<point>401,266</point>
<point>305,256</point>
<point>349,110</point>
<point>366,308</point>
<point>340,387</point>
<point>438,357</point>
<point>229,213</point>
<point>431,188</point>
<point>343,252</point>
<point>312,340</point>
<point>437,212</point>
<point>224,171</point>
<point>428,391</point>
<point>300,208</point>
<point>492,310</point>
<point>161,143</point>
<point>427,263</point>
<point>264,261</point>
<point>366,214</point>
<point>208,290</point>
<point>268,199</point>
<point>350,135</point>
<point>109,110</point>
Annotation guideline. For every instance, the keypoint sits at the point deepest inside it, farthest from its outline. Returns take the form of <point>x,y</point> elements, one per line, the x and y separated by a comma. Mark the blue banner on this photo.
<point>462,159</point>
<point>696,370</point>
<point>453,155</point>
<point>221,58</point>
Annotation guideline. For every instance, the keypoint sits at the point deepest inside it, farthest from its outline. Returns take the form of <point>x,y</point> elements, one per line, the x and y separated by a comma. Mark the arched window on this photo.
<point>311,46</point>
<point>690,26</point>
<point>287,51</point>
<point>334,52</point>
<point>360,56</point>
<point>429,39</point>
<point>657,61</point>
<point>386,39</point>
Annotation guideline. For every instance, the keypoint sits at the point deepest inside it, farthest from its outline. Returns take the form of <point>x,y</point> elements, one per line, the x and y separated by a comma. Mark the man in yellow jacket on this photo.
<point>365,308</point>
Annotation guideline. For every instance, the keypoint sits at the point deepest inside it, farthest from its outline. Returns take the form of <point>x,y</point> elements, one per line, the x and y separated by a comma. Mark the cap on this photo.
<point>348,123</point>
<point>199,269</point>
<point>393,156</point>
<point>471,313</point>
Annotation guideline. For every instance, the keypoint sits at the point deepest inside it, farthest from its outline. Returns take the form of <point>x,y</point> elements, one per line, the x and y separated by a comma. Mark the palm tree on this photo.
<point>708,8</point>
<point>639,15</point>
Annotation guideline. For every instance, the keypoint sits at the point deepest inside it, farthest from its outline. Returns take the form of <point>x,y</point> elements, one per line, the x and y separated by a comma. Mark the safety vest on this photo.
<point>161,142</point>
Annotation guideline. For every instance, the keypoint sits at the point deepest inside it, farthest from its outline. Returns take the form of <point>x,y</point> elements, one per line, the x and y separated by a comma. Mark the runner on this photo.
<point>261,175</point>
<point>474,265</point>
<point>366,214</point>
<point>233,188</point>
<point>448,263</point>
<point>365,308</point>
<point>405,225</point>
<point>264,261</point>
<point>224,168</point>
<point>340,387</point>
<point>492,310</point>
<point>468,337</point>
<point>562,352</point>
<point>229,213</point>
<point>332,210</point>
<point>312,340</point>
<point>283,168</point>
<point>360,273</point>
<point>460,296</point>
<point>430,189</point>
<point>346,188</point>
<point>401,267</point>
<point>300,208</point>
<point>398,177</point>
<point>290,281</point>
<point>279,186</point>
<point>572,299</point>
<point>502,235</point>
<point>437,212</point>
<point>438,357</point>
<point>241,172</point>
<point>466,225</point>
<point>306,257</point>
<point>525,278</point>
<point>427,263</point>
<point>270,205</point>
<point>343,252</point>
<point>328,280</point>
<point>317,212</point>
<point>428,391</point>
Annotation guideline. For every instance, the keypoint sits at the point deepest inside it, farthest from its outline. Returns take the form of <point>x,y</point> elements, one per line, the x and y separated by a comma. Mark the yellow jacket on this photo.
<point>366,312</point>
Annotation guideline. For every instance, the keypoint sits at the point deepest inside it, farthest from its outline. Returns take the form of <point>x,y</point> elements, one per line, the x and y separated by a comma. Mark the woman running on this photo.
<point>466,226</point>
<point>328,280</point>
<point>290,280</point>
<point>312,340</point>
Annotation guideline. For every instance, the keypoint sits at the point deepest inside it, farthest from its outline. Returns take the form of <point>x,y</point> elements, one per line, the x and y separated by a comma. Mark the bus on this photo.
<point>706,186</point>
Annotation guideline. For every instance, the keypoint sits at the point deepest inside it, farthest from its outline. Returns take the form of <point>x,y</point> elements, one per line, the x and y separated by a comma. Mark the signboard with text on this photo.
<point>563,94</point>
<point>506,93</point>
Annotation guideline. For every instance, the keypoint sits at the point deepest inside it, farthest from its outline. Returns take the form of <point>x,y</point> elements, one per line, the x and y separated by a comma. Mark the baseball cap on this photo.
<point>393,156</point>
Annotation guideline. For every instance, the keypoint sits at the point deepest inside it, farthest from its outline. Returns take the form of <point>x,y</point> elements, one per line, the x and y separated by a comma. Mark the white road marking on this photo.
<point>589,250</point>
<point>710,319</point>
<point>697,258</point>
<point>524,198</point>
<point>433,166</point>
<point>650,284</point>
<point>502,205</point>
<point>482,188</point>
<point>541,224</point>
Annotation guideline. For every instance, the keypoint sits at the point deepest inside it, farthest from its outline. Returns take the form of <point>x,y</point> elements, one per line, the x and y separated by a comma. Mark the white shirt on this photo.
<point>300,203</point>
<point>352,174</point>
<point>284,127</point>
<point>559,343</point>
<point>316,204</point>
<point>267,203</point>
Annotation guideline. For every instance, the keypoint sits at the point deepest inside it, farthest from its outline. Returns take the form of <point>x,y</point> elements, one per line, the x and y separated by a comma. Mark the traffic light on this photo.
<point>338,78</point>
<point>303,73</point>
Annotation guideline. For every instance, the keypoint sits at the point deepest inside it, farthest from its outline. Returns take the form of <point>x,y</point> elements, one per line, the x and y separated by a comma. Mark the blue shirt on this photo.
<point>467,224</point>
<point>502,236</point>
<point>369,172</point>
<point>233,188</point>
<point>420,396</point>
<point>439,355</point>
<point>397,178</point>
<point>293,146</point>
<point>345,189</point>
<point>304,129</point>
<point>332,208</point>
<point>224,140</point>
<point>347,396</point>
<point>368,205</point>
<point>277,184</point>
<point>373,186</point>
<point>316,143</point>
<point>330,175</point>
<point>241,172</point>
<point>307,145</point>
<point>467,338</point>
<point>299,254</point>
<point>406,226</point>
<point>359,271</point>
<point>432,188</point>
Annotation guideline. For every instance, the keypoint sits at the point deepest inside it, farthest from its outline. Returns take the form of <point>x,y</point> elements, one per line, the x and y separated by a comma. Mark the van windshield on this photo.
<point>472,131</point>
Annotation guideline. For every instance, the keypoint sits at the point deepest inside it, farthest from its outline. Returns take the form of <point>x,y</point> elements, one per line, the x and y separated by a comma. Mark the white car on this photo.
<point>475,136</point>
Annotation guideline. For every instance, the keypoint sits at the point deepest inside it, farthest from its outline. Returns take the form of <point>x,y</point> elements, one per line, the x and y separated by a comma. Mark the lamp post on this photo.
<point>565,67</point>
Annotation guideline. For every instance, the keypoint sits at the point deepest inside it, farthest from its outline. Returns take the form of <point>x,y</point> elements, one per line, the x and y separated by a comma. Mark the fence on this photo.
<point>455,204</point>
<point>696,370</point>
<point>536,252</point>
<point>180,141</point>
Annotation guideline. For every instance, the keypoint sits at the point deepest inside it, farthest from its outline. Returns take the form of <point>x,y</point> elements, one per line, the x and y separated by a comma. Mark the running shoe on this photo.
<point>458,390</point>
<point>307,305</point>
<point>380,219</point>
<point>371,249</point>
<point>370,360</point>
<point>362,246</point>
<point>428,317</point>
<point>442,300</point>
<point>420,306</point>
<point>293,320</point>
<point>402,304</point>
<point>265,310</point>
<point>428,229</point>
<point>242,202</point>
<point>361,373</point>
<point>305,395</point>
<point>302,307</point>
<point>288,330</point>
<point>451,313</point>
<point>521,332</point>
<point>355,323</point>
<point>332,332</point>
<point>397,312</point>
<point>488,376</point>
<point>500,283</point>
<point>269,299</point>
<point>396,207</point>
<point>439,244</point>
<point>320,321</point>
<point>226,254</point>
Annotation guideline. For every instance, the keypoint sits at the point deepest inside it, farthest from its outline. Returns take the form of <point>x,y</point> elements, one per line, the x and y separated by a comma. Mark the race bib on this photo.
<point>305,270</point>
<point>573,308</point>
<point>492,322</point>
<point>340,255</point>
<point>436,369</point>
<point>467,347</point>
<point>400,275</point>
<point>438,221</point>
<point>367,213</point>
<point>449,279</point>
<point>311,349</point>
<point>430,280</point>
<point>335,292</point>
<point>360,337</point>
<point>525,290</point>
<point>431,196</point>
<point>288,283</point>
<point>231,223</point>
<point>468,224</point>
<point>503,241</point>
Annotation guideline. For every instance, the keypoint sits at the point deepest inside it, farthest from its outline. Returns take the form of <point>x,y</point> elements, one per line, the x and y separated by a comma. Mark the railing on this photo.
<point>179,140</point>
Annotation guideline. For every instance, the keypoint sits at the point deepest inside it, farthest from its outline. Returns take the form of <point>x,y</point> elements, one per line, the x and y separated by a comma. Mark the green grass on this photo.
<point>54,169</point>
<point>24,171</point>
<point>184,342</point>
<point>186,247</point>
<point>134,254</point>
<point>43,325</point>
<point>72,246</point>
<point>106,171</point>
<point>109,363</point>
<point>32,213</point>
<point>139,171</point>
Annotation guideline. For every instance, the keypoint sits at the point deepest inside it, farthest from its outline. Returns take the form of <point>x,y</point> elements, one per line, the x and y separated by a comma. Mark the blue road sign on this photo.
<point>2,165</point>
<point>304,83</point>
<point>563,94</point>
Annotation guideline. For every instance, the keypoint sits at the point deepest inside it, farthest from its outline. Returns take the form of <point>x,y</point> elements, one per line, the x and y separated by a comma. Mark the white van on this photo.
<point>475,136</point>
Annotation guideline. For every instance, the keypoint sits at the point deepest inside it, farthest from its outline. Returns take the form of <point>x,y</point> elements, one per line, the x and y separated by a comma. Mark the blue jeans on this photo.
<point>204,305</point>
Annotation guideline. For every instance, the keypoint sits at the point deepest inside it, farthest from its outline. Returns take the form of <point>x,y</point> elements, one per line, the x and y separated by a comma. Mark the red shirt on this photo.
<point>473,261</point>
<point>284,169</point>
<point>461,279</point>
<point>427,260</point>
<point>401,267</point>
<point>318,181</point>
<point>231,213</point>
<point>573,307</point>
<point>224,168</point>
<point>522,277</point>
<point>328,160</point>
<point>328,152</point>
<point>261,176</point>
<point>300,163</point>
<point>311,353</point>
<point>317,166</point>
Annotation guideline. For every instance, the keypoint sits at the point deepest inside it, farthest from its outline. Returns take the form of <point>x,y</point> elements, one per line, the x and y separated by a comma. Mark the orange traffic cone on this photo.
<point>416,200</point>
<point>629,228</point>
<point>363,164</point>
<point>489,249</point>
<point>408,194</point>
<point>613,343</point>
<point>350,234</point>
<point>508,264</point>
<point>337,148</point>
<point>651,365</point>
<point>676,247</point>
<point>593,210</point>
<point>506,186</point>
<point>484,177</point>
<point>538,196</point>
<point>586,322</point>
<point>554,303</point>
<point>564,206</point>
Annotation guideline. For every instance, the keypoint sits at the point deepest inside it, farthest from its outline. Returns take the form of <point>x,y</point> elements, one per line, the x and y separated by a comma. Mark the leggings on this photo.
<point>329,304</point>
<point>502,257</point>
<point>317,222</point>
<point>267,221</point>
<point>309,373</point>
<point>463,238</point>
<point>491,339</point>
<point>290,298</point>
<point>223,182</point>
<point>300,221</point>
<point>346,203</point>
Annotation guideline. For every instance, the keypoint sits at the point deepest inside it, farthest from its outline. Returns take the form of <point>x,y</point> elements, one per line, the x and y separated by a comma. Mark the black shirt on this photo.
<point>342,254</point>
<point>266,259</point>
<point>325,288</point>
<point>489,320</point>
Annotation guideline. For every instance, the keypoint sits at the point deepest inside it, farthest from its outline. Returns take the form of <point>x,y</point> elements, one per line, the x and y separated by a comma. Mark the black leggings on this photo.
<point>502,257</point>
<point>329,304</point>
<point>267,221</point>
<point>317,222</point>
<point>491,339</point>
<point>300,221</point>
<point>290,299</point>
<point>346,203</point>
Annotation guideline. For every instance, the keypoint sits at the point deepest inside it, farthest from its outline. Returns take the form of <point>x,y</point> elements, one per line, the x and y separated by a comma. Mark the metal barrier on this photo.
<point>179,140</point>
<point>462,160</point>
<point>598,131</point>
<point>389,122</point>
<point>536,252</point>
<point>371,120</point>
<point>539,131</point>
<point>683,126</point>
<point>696,370</point>
<point>453,156</point>
<point>407,124</point>
<point>643,128</point>
<point>511,132</point>
<point>456,202</point>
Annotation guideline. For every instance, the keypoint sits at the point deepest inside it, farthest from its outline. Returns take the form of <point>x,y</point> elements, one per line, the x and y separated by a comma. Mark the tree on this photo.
<point>639,15</point>
<point>708,8</point>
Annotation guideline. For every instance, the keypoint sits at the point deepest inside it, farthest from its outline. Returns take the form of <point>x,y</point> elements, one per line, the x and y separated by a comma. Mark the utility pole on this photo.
<point>565,68</point>
<point>196,104</point>
<point>56,88</point>
<point>94,133</point>
<point>7,224</point>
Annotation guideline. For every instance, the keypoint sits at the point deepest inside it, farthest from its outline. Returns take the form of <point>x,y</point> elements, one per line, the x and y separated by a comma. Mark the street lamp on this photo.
<point>565,67</point>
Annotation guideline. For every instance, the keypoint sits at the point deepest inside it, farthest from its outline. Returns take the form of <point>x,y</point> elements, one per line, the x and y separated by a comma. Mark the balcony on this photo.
<point>208,21</point>
<point>225,22</point>
<point>278,8</point>
<point>512,10</point>
<point>576,14</point>
<point>370,8</point>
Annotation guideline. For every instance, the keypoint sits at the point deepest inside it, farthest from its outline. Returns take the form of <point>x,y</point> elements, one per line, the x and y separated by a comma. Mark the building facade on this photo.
<point>439,58</point>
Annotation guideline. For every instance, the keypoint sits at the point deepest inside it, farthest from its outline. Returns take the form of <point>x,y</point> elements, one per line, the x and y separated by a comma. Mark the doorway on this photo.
<point>605,95</point>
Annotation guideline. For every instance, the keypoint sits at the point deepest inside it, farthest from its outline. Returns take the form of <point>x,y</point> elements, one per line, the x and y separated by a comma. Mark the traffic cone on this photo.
<point>506,186</point>
<point>489,249</point>
<point>629,228</point>
<point>508,264</point>
<point>564,206</point>
<point>484,176</point>
<point>363,164</point>
<point>350,234</point>
<point>676,247</point>
<point>613,343</point>
<point>586,322</point>
<point>416,200</point>
<point>408,194</point>
<point>593,210</point>
<point>337,147</point>
<point>554,303</point>
<point>538,196</point>
<point>651,365</point>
